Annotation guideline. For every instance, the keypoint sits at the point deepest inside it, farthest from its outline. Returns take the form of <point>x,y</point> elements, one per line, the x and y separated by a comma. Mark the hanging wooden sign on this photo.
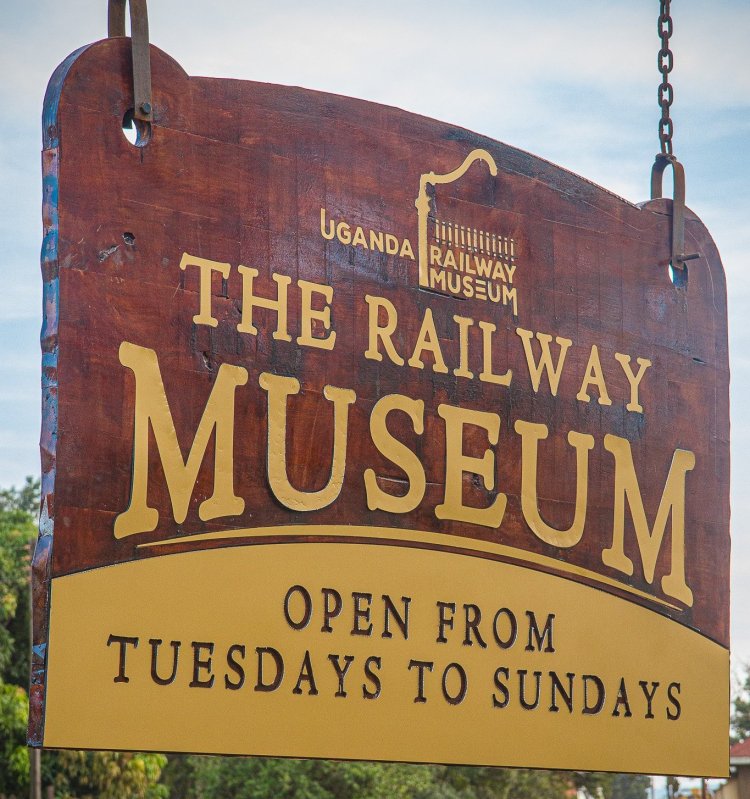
<point>369,437</point>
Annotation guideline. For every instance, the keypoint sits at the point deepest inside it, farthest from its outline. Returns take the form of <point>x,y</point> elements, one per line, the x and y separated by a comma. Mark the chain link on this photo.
<point>665,63</point>
<point>665,158</point>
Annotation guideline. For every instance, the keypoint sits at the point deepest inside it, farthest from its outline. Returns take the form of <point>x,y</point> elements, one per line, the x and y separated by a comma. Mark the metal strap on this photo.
<point>678,205</point>
<point>143,107</point>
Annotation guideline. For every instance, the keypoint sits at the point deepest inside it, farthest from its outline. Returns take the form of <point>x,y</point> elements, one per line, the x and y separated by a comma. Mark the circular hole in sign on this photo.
<point>136,131</point>
<point>678,277</point>
<point>128,238</point>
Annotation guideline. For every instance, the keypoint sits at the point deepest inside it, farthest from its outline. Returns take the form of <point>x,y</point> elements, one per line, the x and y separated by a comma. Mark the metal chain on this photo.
<point>665,63</point>
<point>666,157</point>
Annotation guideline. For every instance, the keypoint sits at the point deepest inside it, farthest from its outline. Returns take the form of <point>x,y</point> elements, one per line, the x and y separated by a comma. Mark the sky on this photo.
<point>574,82</point>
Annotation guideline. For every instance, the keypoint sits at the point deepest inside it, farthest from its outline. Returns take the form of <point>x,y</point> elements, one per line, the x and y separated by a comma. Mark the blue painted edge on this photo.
<point>49,262</point>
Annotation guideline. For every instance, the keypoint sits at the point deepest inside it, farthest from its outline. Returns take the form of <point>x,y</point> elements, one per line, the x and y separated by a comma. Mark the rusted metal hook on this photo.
<point>143,108</point>
<point>663,160</point>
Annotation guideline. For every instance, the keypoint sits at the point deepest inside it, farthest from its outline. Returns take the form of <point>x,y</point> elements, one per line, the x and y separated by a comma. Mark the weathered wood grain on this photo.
<point>238,172</point>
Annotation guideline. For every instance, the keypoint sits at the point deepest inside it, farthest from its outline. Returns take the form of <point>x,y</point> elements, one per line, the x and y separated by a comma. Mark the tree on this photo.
<point>24,499</point>
<point>105,775</point>
<point>17,533</point>
<point>630,786</point>
<point>258,778</point>
<point>109,775</point>
<point>14,713</point>
<point>740,721</point>
<point>197,777</point>
<point>596,784</point>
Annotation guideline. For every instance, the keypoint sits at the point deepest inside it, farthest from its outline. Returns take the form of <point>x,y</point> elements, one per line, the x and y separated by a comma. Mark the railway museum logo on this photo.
<point>461,259</point>
<point>455,256</point>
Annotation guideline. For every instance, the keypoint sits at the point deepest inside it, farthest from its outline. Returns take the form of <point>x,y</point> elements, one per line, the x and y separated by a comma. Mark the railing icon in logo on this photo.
<point>450,233</point>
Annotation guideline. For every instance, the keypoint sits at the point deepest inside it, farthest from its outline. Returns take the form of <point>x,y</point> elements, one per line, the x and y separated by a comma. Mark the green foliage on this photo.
<point>196,777</point>
<point>24,499</point>
<point>593,783</point>
<point>258,778</point>
<point>104,775</point>
<point>17,534</point>
<point>179,776</point>
<point>740,722</point>
<point>109,775</point>
<point>14,756</point>
<point>402,781</point>
<point>630,786</point>
<point>463,782</point>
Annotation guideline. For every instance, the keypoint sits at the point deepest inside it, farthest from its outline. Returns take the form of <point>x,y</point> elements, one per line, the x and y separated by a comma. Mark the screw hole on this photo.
<point>128,238</point>
<point>137,132</point>
<point>678,277</point>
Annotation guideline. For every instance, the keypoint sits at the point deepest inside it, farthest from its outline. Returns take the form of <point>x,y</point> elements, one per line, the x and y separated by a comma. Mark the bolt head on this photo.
<point>146,108</point>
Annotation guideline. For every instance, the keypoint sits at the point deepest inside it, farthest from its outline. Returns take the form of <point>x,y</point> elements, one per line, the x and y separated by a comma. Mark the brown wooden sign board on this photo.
<point>369,437</point>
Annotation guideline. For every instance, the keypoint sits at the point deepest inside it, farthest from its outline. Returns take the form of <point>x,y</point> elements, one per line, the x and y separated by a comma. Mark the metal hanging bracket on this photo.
<point>663,160</point>
<point>143,107</point>
<point>665,63</point>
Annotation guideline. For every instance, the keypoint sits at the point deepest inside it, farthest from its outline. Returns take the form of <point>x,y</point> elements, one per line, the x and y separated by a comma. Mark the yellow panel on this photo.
<point>235,597</point>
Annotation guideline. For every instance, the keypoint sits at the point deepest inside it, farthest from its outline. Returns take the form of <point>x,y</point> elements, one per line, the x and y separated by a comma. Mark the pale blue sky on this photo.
<point>573,82</point>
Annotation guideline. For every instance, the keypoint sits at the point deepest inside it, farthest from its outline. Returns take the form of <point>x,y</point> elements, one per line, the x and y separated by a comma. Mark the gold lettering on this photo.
<point>397,453</point>
<point>330,232</point>
<point>464,323</point>
<point>487,375</point>
<point>456,463</point>
<point>531,434</point>
<point>376,333</point>
<point>593,375</point>
<point>484,266</point>
<point>406,250</point>
<point>250,301</point>
<point>428,340</point>
<point>205,267</point>
<point>650,541</point>
<point>437,279</point>
<point>152,408</point>
<point>309,314</point>
<point>510,297</point>
<point>279,388</point>
<point>536,370</point>
<point>634,380</point>
<point>359,237</point>
<point>344,233</point>
<point>376,240</point>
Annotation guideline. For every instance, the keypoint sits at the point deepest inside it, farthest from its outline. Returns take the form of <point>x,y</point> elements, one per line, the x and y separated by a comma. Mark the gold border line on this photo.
<point>412,537</point>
